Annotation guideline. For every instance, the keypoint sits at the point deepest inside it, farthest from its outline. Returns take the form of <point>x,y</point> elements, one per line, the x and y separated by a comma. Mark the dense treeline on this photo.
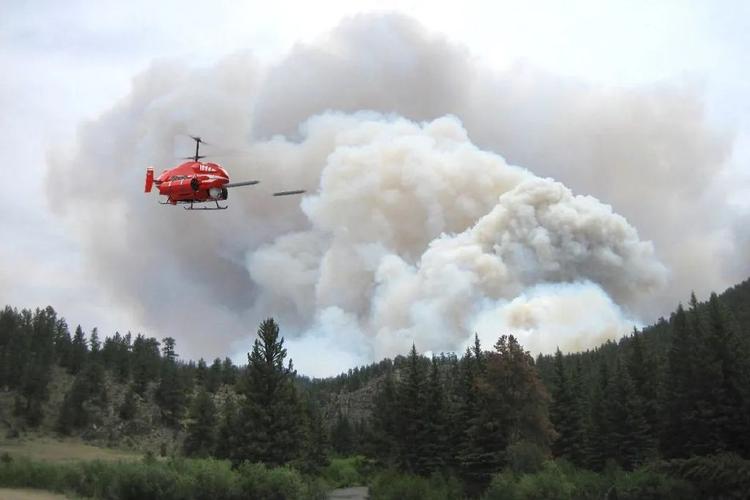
<point>660,398</point>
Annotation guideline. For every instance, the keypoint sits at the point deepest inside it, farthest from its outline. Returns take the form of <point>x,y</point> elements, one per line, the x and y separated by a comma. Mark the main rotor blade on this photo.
<point>287,193</point>
<point>197,138</point>
<point>191,157</point>
<point>238,184</point>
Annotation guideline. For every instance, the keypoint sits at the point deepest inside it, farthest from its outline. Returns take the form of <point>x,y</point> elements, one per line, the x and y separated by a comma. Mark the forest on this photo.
<point>662,413</point>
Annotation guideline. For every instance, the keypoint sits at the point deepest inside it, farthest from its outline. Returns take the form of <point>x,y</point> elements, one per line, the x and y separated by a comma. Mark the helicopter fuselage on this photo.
<point>192,182</point>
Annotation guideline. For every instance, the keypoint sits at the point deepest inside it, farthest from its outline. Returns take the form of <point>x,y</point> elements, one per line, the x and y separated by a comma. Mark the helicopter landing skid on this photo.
<point>218,207</point>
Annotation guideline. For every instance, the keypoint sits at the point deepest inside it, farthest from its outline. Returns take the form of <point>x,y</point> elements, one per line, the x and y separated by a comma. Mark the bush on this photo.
<point>549,483</point>
<point>391,485</point>
<point>212,479</point>
<point>349,471</point>
<point>139,481</point>
<point>719,476</point>
<point>524,457</point>
<point>174,479</point>
<point>23,473</point>
<point>645,484</point>
<point>561,480</point>
<point>281,483</point>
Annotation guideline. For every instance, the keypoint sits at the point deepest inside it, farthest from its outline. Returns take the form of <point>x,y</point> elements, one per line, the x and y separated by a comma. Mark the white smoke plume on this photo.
<point>414,229</point>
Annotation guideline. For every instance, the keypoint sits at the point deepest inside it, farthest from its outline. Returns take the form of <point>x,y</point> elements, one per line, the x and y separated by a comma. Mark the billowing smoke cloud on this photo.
<point>414,228</point>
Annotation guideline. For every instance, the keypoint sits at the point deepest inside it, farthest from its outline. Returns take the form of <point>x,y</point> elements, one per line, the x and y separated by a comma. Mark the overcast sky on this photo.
<point>64,63</point>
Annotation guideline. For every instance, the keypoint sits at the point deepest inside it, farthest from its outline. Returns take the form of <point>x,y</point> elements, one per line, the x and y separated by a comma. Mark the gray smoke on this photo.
<point>415,228</point>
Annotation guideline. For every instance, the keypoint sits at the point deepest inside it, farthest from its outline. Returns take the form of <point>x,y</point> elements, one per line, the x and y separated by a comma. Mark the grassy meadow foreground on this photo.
<point>663,413</point>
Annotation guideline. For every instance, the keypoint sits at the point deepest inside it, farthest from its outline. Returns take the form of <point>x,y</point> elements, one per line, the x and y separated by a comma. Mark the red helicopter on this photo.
<point>197,182</point>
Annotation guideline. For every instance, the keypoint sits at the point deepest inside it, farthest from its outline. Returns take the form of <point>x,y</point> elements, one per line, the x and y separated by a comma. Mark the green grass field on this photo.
<point>61,450</point>
<point>54,450</point>
<point>29,494</point>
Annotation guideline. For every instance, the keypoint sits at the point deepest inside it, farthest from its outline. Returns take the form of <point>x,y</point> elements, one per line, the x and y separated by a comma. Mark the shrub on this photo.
<point>23,473</point>
<point>139,481</point>
<point>281,483</point>
<point>719,476</point>
<point>212,479</point>
<point>645,484</point>
<point>391,485</point>
<point>349,471</point>
<point>561,480</point>
<point>524,457</point>
<point>177,478</point>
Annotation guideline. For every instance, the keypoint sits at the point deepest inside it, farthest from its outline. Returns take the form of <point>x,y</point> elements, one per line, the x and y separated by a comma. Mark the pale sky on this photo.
<point>66,62</point>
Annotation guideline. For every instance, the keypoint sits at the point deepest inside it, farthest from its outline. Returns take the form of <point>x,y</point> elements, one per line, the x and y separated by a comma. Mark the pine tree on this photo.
<point>88,391</point>
<point>214,376</point>
<point>468,430</point>
<point>342,438</point>
<point>95,344</point>
<point>411,414</point>
<point>129,407</point>
<point>269,428</point>
<point>79,351</point>
<point>384,421</point>
<point>116,356</point>
<point>566,417</point>
<point>731,389</point>
<point>226,439</point>
<point>171,392</point>
<point>643,371</point>
<point>146,363</point>
<point>513,408</point>
<point>315,447</point>
<point>228,372</point>
<point>677,407</point>
<point>436,453</point>
<point>600,433</point>
<point>63,344</point>
<point>201,373</point>
<point>200,440</point>
<point>38,367</point>
<point>629,432</point>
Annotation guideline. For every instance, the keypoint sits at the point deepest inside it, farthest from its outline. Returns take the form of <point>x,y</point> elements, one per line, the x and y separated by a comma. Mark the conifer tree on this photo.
<point>315,447</point>
<point>228,372</point>
<point>38,367</point>
<point>94,344</point>
<point>643,371</point>
<point>214,376</point>
<point>129,406</point>
<point>600,432</point>
<point>436,452</point>
<point>731,389</point>
<point>79,351</point>
<point>226,439</point>
<point>63,344</point>
<point>566,417</point>
<point>384,421</point>
<point>88,390</point>
<point>170,394</point>
<point>201,372</point>
<point>269,426</point>
<point>146,363</point>
<point>116,356</point>
<point>200,440</point>
<point>629,432</point>
<point>470,438</point>
<point>677,398</point>
<point>411,414</point>
<point>342,438</point>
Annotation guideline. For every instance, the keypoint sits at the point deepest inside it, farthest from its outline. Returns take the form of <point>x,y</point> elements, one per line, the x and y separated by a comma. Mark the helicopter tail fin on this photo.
<point>149,179</point>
